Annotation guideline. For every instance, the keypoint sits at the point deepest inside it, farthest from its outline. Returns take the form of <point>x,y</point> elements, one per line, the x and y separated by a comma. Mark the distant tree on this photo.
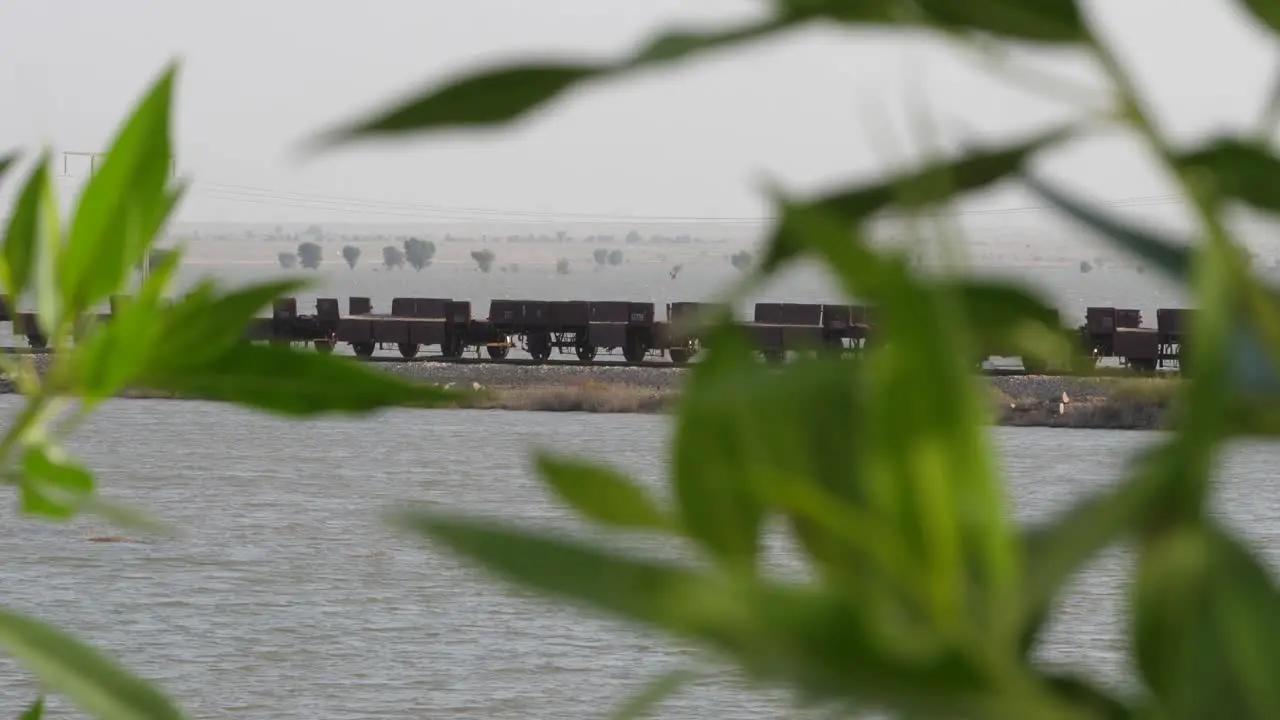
<point>676,271</point>
<point>562,266</point>
<point>1085,266</point>
<point>562,235</point>
<point>615,257</point>
<point>742,260</point>
<point>419,252</point>
<point>288,260</point>
<point>351,254</point>
<point>601,256</point>
<point>484,259</point>
<point>392,257</point>
<point>310,255</point>
<point>634,237</point>
<point>314,231</point>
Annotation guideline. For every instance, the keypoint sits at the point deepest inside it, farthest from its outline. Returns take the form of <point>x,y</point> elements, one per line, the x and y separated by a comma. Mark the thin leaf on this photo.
<point>288,382</point>
<point>643,703</point>
<point>1057,550</point>
<point>1055,21</point>
<point>88,678</point>
<point>23,236</point>
<point>601,494</point>
<point>1207,626</point>
<point>6,161</point>
<point>53,485</point>
<point>1240,169</point>
<point>716,454</point>
<point>499,96</point>
<point>1171,256</point>
<point>34,711</point>
<point>1266,11</point>
<point>122,204</point>
<point>809,641</point>
<point>1094,701</point>
<point>931,185</point>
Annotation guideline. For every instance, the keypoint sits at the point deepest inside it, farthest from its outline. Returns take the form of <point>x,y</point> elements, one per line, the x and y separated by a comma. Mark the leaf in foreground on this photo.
<point>601,494</point>
<point>811,641</point>
<point>34,711</point>
<point>1171,256</point>
<point>53,485</point>
<point>938,182</point>
<point>498,96</point>
<point>88,678</point>
<point>1207,626</point>
<point>642,703</point>
<point>288,382</point>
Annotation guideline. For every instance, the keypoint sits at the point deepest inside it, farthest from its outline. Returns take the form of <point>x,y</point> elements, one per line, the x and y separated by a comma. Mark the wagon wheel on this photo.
<point>586,353</point>
<point>635,349</point>
<point>408,349</point>
<point>37,341</point>
<point>498,352</point>
<point>326,346</point>
<point>453,347</point>
<point>362,349</point>
<point>679,356</point>
<point>773,356</point>
<point>539,347</point>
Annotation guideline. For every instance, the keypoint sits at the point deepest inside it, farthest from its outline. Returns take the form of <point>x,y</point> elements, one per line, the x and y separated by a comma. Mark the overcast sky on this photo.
<point>698,140</point>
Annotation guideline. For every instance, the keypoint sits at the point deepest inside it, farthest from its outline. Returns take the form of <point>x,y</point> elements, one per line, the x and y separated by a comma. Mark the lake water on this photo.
<point>287,597</point>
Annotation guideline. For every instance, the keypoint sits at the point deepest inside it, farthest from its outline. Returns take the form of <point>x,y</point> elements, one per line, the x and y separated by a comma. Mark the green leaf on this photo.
<point>720,443</point>
<point>23,238</point>
<point>805,640</point>
<point>1267,11</point>
<point>499,96</point>
<point>288,382</point>
<point>1057,550</point>
<point>88,678</point>
<point>53,485</point>
<point>1240,169</point>
<point>1206,626</point>
<point>1055,21</point>
<point>642,704</point>
<point>122,205</point>
<point>1096,702</point>
<point>601,494</point>
<point>1171,256</point>
<point>5,162</point>
<point>937,182</point>
<point>34,711</point>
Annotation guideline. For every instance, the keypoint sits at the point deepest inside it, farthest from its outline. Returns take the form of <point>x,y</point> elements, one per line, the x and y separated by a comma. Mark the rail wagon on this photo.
<point>588,329</point>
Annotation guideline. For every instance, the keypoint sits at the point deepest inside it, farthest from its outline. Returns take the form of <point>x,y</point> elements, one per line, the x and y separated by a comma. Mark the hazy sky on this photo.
<point>805,110</point>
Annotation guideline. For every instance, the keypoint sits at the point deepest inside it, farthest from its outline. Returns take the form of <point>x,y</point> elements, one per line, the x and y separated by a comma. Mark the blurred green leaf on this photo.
<point>5,162</point>
<point>53,485</point>
<point>1240,169</point>
<point>920,188</point>
<point>119,212</point>
<point>499,96</point>
<point>1056,21</point>
<point>24,235</point>
<point>1055,551</point>
<point>1173,257</point>
<point>1083,694</point>
<point>718,450</point>
<point>601,494</point>
<point>34,711</point>
<point>93,682</point>
<point>1267,11</point>
<point>288,382</point>
<point>1206,626</point>
<point>809,641</point>
<point>642,704</point>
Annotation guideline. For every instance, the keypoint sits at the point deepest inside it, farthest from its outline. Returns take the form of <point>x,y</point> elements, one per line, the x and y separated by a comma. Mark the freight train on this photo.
<point>590,329</point>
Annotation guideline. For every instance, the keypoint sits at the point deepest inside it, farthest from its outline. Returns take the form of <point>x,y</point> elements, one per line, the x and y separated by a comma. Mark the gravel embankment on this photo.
<point>1026,400</point>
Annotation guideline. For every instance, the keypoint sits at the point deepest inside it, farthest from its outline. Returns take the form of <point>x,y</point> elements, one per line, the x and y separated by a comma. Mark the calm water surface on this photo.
<point>287,598</point>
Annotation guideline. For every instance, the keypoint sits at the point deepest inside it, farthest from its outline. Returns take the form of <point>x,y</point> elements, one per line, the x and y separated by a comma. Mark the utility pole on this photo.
<point>93,169</point>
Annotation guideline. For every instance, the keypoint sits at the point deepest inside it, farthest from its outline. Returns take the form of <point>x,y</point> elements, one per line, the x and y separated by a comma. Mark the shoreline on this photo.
<point>1115,403</point>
